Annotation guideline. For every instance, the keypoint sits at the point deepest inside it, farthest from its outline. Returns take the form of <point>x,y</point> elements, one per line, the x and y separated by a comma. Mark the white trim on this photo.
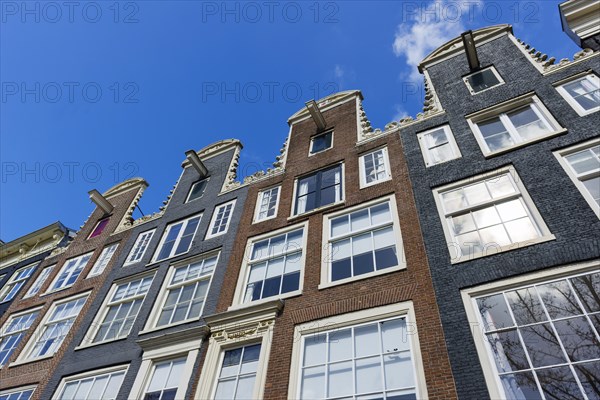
<point>590,76</point>
<point>88,374</point>
<point>500,111</point>
<point>403,309</point>
<point>362,168</point>
<point>317,209</point>
<point>185,221</point>
<point>52,289</point>
<point>213,220</point>
<point>535,216</point>
<point>39,281</point>
<point>258,204</point>
<point>238,298</point>
<point>494,71</point>
<point>425,151</point>
<point>475,325</point>
<point>9,320</point>
<point>20,389</point>
<point>312,139</point>
<point>560,156</point>
<point>136,244</point>
<point>13,281</point>
<point>325,259</point>
<point>187,198</point>
<point>102,258</point>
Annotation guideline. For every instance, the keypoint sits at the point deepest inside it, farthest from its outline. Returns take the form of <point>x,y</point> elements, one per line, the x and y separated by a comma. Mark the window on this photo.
<point>319,189</point>
<point>321,142</point>
<point>582,164</point>
<point>183,295</point>
<point>374,167</point>
<point>103,260</point>
<point>583,93</point>
<point>197,190</point>
<point>220,219</point>
<point>12,333</point>
<point>482,80</point>
<point>438,145</point>
<point>99,227</point>
<point>238,373</point>
<point>363,242</point>
<point>487,214</point>
<point>118,313</point>
<point>274,265</point>
<point>369,354</point>
<point>177,238</point>
<point>165,380</point>
<point>139,247</point>
<point>15,283</point>
<point>267,203</point>
<point>53,329</point>
<point>17,394</point>
<point>95,385</point>
<point>513,124</point>
<point>39,282</point>
<point>540,339</point>
<point>70,272</point>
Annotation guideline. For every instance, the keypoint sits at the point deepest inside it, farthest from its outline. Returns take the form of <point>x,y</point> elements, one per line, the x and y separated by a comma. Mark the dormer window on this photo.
<point>321,142</point>
<point>482,80</point>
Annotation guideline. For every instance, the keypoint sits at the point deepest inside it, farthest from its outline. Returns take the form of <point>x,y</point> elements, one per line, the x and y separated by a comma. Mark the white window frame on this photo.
<point>19,390</point>
<point>425,151</point>
<point>88,340</point>
<point>325,260</point>
<point>469,295</point>
<point>185,222</point>
<point>572,102</point>
<point>52,289</point>
<point>362,167</point>
<point>103,260</point>
<point>455,257</point>
<point>143,237</point>
<point>500,111</point>
<point>213,220</point>
<point>312,139</point>
<point>320,208</point>
<point>259,200</point>
<point>37,285</point>
<point>161,298</point>
<point>15,281</point>
<point>238,299</point>
<point>90,374</point>
<point>24,356</point>
<point>9,320</point>
<point>150,358</point>
<point>560,156</point>
<point>403,309</point>
<point>493,69</point>
<point>187,198</point>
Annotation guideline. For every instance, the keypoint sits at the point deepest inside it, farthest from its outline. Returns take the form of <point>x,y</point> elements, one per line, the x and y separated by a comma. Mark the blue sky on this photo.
<point>98,92</point>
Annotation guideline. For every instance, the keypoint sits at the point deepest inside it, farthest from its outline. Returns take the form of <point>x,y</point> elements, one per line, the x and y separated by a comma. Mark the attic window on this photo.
<point>321,142</point>
<point>482,80</point>
<point>99,227</point>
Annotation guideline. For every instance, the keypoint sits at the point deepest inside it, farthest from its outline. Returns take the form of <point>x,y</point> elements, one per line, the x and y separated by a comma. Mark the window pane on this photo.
<point>542,345</point>
<point>495,134</point>
<point>483,80</point>
<point>340,379</point>
<point>313,383</point>
<point>527,123</point>
<point>366,340</point>
<point>588,290</point>
<point>494,312</point>
<point>520,386</point>
<point>197,190</point>
<point>340,345</point>
<point>368,375</point>
<point>526,306</point>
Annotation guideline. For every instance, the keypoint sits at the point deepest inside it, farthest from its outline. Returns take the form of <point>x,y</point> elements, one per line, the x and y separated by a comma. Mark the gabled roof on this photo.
<point>326,101</point>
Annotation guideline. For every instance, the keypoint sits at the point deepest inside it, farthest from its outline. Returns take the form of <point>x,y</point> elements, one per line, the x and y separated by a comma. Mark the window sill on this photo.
<point>316,210</point>
<point>264,219</point>
<point>327,285</point>
<point>366,185</point>
<point>162,327</point>
<point>588,112</point>
<point>28,361</point>
<point>287,295</point>
<point>523,144</point>
<point>502,249</point>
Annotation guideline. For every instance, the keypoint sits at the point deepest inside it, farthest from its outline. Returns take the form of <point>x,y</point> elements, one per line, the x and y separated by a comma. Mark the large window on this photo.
<point>487,214</point>
<point>363,242</point>
<point>139,247</point>
<point>582,164</point>
<point>39,282</point>
<point>53,329</point>
<point>17,394</point>
<point>12,333</point>
<point>221,219</point>
<point>183,295</point>
<point>274,265</point>
<point>103,260</point>
<point>238,373</point>
<point>70,272</point>
<point>512,124</point>
<point>374,167</point>
<point>319,189</point>
<point>541,340</point>
<point>438,145</point>
<point>95,385</point>
<point>267,203</point>
<point>177,238</point>
<point>16,282</point>
<point>582,93</point>
<point>118,314</point>
<point>165,380</point>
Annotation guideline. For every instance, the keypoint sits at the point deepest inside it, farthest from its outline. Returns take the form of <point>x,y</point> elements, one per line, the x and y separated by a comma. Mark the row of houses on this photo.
<point>453,255</point>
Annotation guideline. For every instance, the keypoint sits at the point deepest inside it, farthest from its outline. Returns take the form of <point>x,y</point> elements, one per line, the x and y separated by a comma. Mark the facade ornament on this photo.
<point>549,64</point>
<point>241,331</point>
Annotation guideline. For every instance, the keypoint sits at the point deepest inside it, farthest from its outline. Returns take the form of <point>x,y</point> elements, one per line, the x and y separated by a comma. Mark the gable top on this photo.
<point>326,103</point>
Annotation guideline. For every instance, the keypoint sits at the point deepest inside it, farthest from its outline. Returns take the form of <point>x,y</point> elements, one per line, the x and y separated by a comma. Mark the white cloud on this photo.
<point>428,26</point>
<point>400,112</point>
